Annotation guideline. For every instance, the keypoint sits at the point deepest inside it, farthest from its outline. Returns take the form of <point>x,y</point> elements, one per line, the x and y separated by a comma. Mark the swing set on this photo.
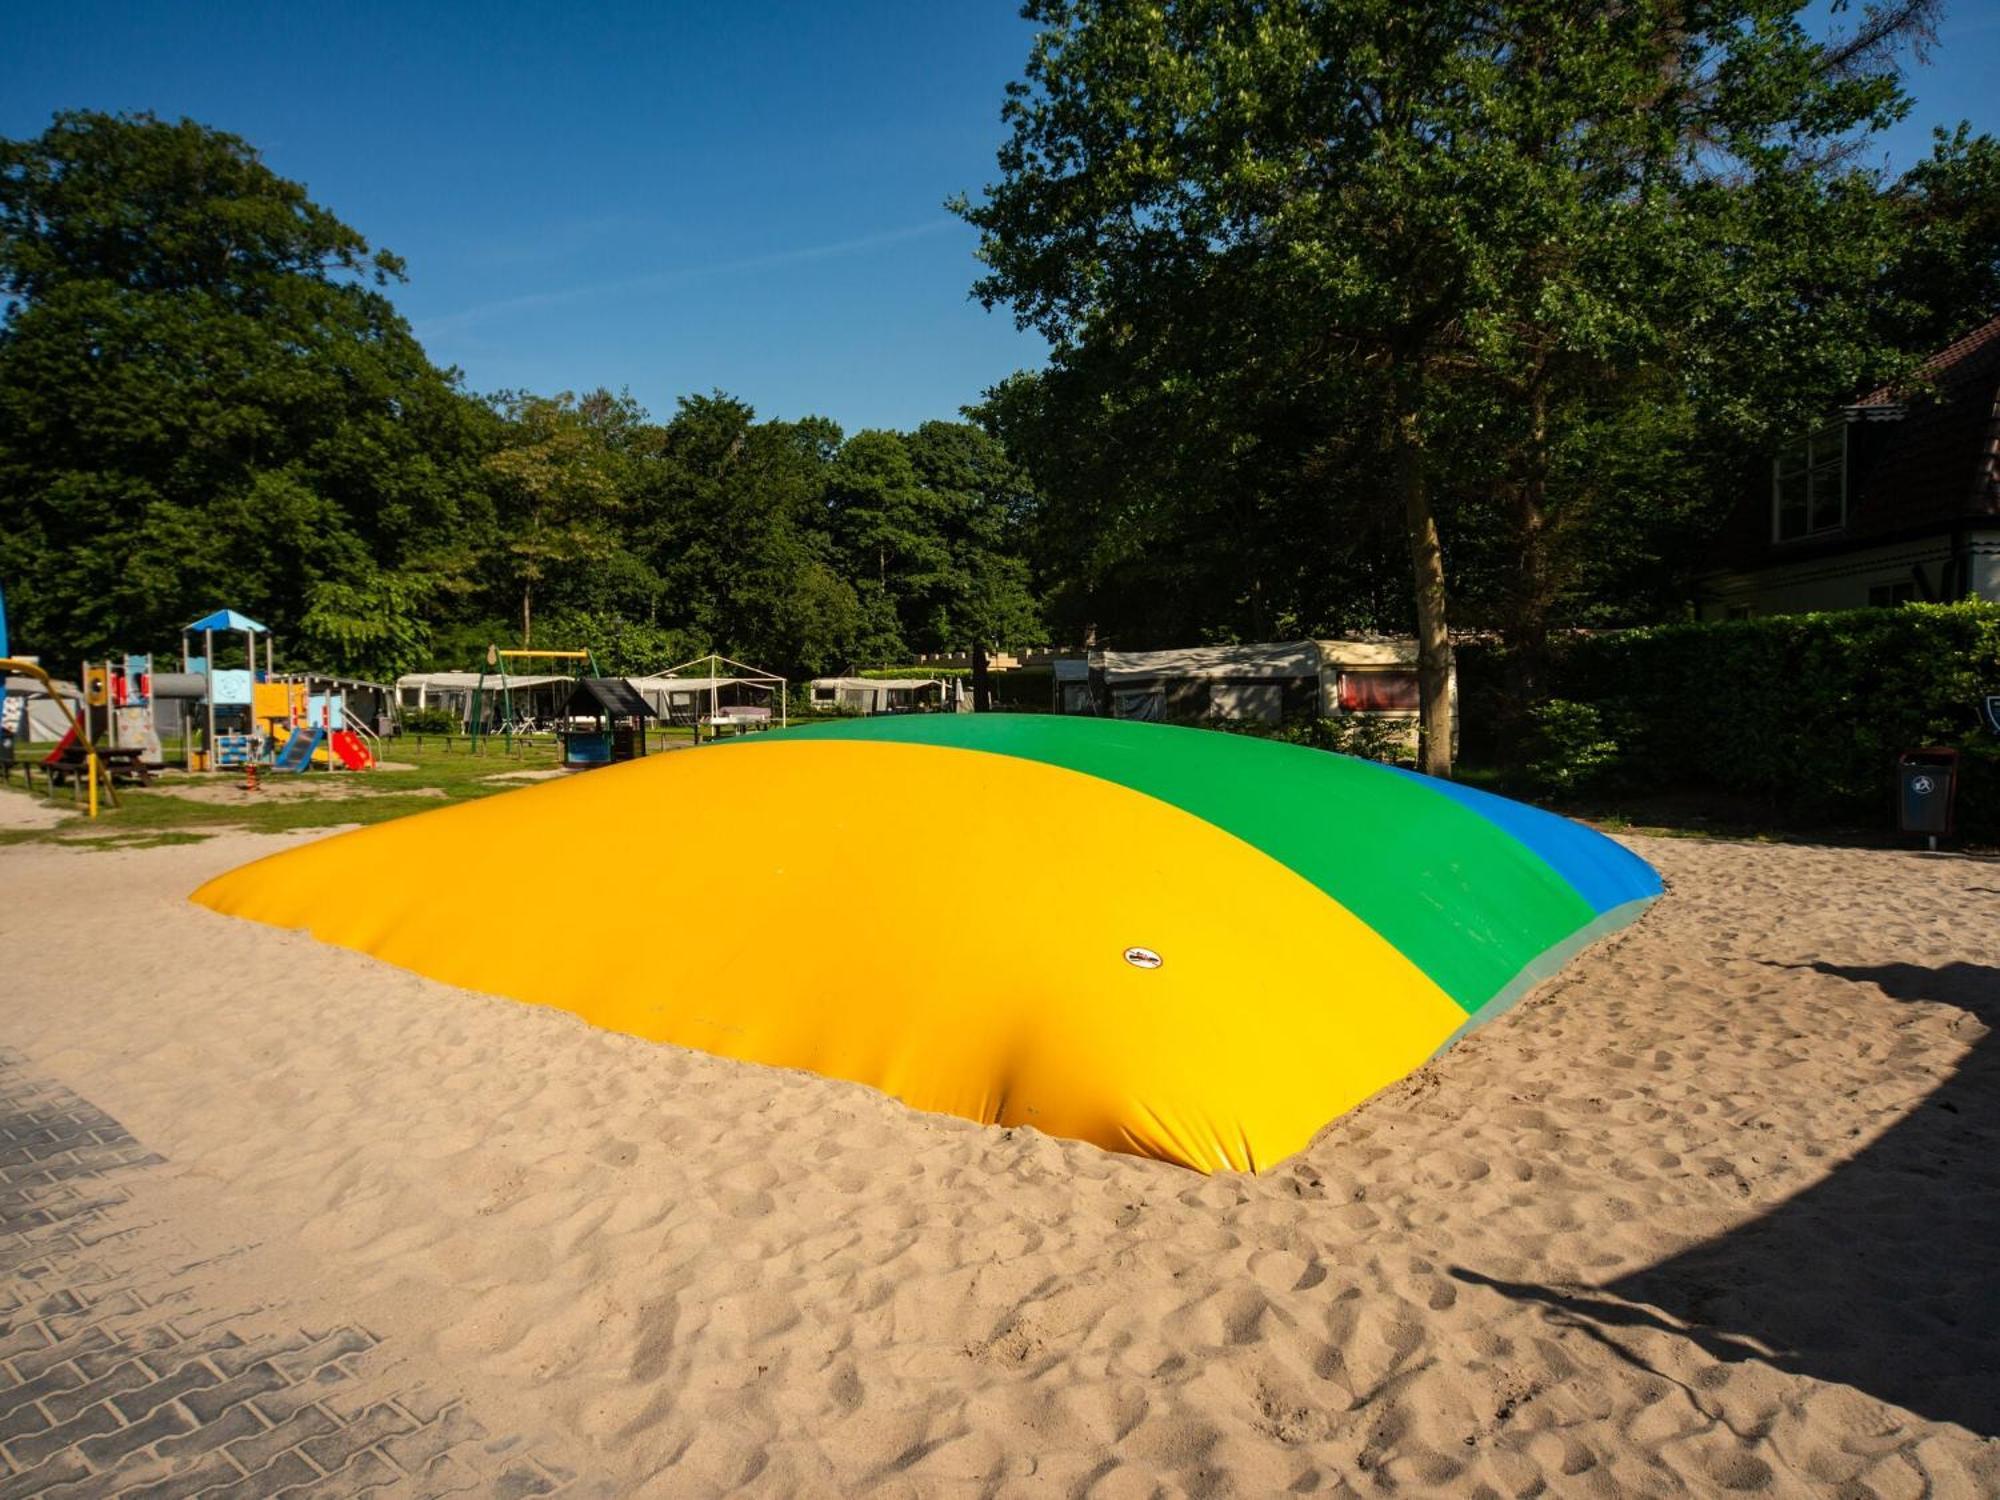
<point>495,666</point>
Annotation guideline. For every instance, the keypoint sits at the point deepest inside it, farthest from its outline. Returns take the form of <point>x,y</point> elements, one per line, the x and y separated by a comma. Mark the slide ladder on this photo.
<point>296,754</point>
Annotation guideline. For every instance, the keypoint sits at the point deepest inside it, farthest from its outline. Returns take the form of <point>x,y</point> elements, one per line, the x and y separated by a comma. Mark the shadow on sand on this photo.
<point>1884,1276</point>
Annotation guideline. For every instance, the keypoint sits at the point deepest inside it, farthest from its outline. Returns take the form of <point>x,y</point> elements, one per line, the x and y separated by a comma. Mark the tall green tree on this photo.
<point>560,476</point>
<point>1421,208</point>
<point>206,397</point>
<point>928,525</point>
<point>1946,278</point>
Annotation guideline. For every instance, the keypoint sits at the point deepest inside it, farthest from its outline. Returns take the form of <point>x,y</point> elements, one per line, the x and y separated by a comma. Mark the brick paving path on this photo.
<point>113,1384</point>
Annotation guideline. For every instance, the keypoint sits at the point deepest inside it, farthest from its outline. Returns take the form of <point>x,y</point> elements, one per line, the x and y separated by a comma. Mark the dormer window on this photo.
<point>1809,485</point>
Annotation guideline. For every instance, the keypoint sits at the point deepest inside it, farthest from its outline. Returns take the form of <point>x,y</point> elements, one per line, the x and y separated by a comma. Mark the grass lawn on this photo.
<point>442,772</point>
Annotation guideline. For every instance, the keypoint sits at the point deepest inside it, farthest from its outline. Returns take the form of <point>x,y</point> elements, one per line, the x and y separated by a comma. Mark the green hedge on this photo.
<point>430,721</point>
<point>1807,712</point>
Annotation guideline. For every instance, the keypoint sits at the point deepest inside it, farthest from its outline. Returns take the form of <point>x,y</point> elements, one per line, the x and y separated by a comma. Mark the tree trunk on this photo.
<point>1427,573</point>
<point>527,615</point>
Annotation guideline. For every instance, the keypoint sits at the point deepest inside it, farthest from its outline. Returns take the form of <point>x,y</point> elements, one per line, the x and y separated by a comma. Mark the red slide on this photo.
<point>353,754</point>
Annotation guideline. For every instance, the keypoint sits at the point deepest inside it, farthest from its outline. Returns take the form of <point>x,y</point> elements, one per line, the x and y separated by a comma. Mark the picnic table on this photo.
<point>122,762</point>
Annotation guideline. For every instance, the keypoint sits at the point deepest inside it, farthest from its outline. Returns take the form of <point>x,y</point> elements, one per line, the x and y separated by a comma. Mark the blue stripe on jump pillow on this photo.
<point>1604,873</point>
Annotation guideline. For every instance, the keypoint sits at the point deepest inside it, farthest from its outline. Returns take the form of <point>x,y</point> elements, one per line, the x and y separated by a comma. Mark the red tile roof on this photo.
<point>1941,366</point>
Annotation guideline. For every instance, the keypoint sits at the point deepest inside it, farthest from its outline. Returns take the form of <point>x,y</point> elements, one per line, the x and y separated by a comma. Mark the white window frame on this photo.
<point>1811,442</point>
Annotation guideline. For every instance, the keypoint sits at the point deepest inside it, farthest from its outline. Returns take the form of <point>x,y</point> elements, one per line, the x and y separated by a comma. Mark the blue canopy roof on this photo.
<point>227,619</point>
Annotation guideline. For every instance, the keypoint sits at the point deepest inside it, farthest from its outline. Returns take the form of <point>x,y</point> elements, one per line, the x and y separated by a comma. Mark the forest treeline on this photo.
<point>1362,317</point>
<point>208,397</point>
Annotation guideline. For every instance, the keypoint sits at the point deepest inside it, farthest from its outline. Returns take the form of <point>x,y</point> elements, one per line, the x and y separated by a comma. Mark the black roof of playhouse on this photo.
<point>613,697</point>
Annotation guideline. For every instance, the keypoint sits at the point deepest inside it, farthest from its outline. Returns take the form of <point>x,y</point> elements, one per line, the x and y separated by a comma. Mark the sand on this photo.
<point>18,810</point>
<point>1718,1210</point>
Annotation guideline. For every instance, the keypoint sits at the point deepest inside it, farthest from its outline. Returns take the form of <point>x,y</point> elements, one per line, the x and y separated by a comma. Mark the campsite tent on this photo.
<point>684,700</point>
<point>35,717</point>
<point>1260,683</point>
<point>538,696</point>
<point>1265,683</point>
<point>882,695</point>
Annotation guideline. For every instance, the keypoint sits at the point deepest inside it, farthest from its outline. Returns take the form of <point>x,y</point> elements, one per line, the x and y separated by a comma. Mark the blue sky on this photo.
<point>664,197</point>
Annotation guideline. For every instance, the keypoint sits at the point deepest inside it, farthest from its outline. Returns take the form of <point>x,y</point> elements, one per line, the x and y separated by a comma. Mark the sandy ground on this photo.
<point>1718,1211</point>
<point>19,810</point>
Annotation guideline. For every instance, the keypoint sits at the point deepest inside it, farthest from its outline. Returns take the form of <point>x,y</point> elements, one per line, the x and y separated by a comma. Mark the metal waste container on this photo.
<point>1926,787</point>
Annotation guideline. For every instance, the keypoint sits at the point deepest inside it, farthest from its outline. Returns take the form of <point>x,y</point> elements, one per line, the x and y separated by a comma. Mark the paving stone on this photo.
<point>306,1361</point>
<point>22,1339</point>
<point>424,1403</point>
<point>28,1451</point>
<point>521,1479</point>
<point>211,1470</point>
<point>65,1326</point>
<point>123,1303</point>
<point>32,1364</point>
<point>105,1452</point>
<point>255,1382</point>
<point>190,1377</point>
<point>343,1395</point>
<point>254,1452</point>
<point>367,1471</point>
<point>279,1405</point>
<point>461,1426</point>
<point>238,1357</point>
<point>50,1383</point>
<point>22,1421</point>
<point>97,1363</point>
<point>66,1469</point>
<point>116,1382</point>
<point>63,1405</point>
<point>412,1451</point>
<point>333,1450</point>
<point>445,1476</point>
<point>280,1476</point>
<point>240,1421</point>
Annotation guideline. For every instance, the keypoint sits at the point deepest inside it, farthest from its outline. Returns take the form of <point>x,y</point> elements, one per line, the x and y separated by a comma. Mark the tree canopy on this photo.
<point>207,397</point>
<point>1364,317</point>
<point>1430,263</point>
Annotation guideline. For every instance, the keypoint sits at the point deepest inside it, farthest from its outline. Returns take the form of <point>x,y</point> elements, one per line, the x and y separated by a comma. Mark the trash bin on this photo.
<point>1926,786</point>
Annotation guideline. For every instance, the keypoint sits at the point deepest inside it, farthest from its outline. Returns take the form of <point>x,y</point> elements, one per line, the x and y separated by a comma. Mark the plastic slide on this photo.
<point>352,752</point>
<point>296,754</point>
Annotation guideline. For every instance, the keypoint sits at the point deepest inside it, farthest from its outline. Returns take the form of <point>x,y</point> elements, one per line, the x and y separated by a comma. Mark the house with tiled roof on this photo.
<point>1896,498</point>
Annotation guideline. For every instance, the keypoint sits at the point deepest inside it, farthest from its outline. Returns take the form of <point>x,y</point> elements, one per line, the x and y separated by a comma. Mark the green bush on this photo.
<point>430,721</point>
<point>1806,712</point>
<point>1368,736</point>
<point>1567,749</point>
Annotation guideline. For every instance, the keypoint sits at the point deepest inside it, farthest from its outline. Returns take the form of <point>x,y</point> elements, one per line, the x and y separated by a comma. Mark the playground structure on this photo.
<point>478,723</point>
<point>255,717</point>
<point>244,717</point>
<point>96,777</point>
<point>604,721</point>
